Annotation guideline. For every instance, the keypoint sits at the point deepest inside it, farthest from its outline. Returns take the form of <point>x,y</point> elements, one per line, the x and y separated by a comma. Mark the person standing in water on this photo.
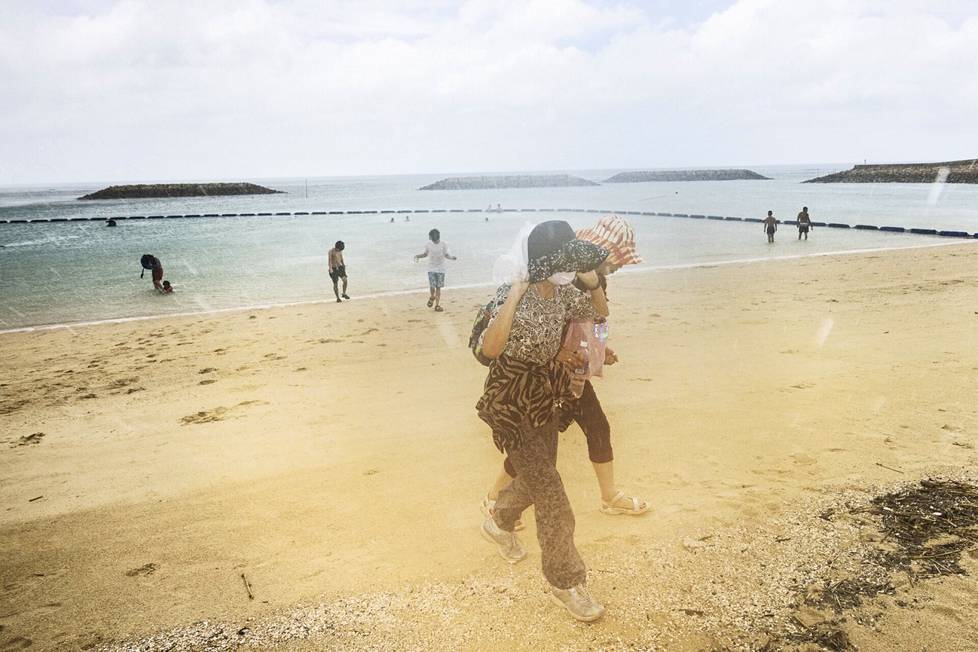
<point>152,263</point>
<point>804,223</point>
<point>436,251</point>
<point>524,385</point>
<point>770,226</point>
<point>337,270</point>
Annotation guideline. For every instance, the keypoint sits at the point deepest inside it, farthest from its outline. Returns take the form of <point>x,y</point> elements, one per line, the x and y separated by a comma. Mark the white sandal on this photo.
<point>636,506</point>
<point>489,507</point>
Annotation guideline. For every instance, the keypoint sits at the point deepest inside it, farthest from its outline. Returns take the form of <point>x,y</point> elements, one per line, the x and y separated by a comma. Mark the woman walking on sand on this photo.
<point>524,385</point>
<point>617,236</point>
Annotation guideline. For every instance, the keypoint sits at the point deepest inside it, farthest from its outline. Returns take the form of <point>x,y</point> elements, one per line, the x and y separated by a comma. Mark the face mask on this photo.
<point>562,278</point>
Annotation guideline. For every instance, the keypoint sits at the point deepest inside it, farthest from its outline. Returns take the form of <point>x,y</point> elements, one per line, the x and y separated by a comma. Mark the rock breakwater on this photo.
<point>158,190</point>
<point>509,181</point>
<point>641,176</point>
<point>965,171</point>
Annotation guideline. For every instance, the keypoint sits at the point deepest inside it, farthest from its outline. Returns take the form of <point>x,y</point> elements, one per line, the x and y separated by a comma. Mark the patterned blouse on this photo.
<point>539,323</point>
<point>525,385</point>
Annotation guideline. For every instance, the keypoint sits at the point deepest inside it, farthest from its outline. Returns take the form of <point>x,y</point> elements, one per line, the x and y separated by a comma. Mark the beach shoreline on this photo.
<point>468,286</point>
<point>157,471</point>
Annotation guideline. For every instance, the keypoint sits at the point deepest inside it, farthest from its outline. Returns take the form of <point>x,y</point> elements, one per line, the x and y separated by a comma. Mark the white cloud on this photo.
<point>144,90</point>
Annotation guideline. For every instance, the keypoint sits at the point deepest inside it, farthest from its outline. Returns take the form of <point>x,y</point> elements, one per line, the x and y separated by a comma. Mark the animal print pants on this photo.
<point>538,483</point>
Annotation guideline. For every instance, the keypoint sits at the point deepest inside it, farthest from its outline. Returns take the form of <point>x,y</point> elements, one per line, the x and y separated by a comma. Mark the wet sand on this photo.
<point>331,455</point>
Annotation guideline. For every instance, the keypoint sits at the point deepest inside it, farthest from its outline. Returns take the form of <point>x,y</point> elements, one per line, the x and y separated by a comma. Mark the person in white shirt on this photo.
<point>436,252</point>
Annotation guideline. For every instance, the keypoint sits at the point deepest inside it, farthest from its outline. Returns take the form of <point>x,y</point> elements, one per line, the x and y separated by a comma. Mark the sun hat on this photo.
<point>552,247</point>
<point>617,236</point>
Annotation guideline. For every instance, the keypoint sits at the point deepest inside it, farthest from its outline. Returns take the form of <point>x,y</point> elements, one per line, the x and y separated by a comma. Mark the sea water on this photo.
<point>70,272</point>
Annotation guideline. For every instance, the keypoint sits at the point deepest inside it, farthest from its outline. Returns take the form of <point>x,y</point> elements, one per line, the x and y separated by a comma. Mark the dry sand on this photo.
<point>332,456</point>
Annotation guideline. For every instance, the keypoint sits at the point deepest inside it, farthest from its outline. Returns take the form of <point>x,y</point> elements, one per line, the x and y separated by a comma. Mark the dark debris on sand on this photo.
<point>925,528</point>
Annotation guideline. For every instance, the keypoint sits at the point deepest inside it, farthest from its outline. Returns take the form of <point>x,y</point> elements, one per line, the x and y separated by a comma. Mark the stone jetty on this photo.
<point>949,171</point>
<point>684,175</point>
<point>157,190</point>
<point>509,181</point>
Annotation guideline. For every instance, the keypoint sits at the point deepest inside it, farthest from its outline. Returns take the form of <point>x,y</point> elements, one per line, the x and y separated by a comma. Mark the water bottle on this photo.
<point>580,372</point>
<point>601,331</point>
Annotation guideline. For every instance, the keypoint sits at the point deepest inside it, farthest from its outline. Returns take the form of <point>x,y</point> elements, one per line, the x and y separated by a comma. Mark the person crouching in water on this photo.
<point>617,236</point>
<point>524,385</point>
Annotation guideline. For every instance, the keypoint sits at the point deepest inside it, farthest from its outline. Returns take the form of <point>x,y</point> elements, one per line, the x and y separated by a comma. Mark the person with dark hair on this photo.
<point>804,223</point>
<point>167,288</point>
<point>337,270</point>
<point>770,226</point>
<point>436,251</point>
<point>617,236</point>
<point>521,394</point>
<point>152,263</point>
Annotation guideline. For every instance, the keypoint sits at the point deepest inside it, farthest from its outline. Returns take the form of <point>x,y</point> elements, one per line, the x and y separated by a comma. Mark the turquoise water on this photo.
<point>77,272</point>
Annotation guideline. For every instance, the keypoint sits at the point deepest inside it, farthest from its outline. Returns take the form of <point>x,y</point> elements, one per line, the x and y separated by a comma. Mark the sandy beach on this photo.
<point>309,477</point>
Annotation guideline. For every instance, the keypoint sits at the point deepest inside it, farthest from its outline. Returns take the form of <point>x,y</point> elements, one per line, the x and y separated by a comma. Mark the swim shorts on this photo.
<point>338,273</point>
<point>436,279</point>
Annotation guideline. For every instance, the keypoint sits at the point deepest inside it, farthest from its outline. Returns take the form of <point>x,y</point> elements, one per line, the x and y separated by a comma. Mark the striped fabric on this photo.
<point>617,236</point>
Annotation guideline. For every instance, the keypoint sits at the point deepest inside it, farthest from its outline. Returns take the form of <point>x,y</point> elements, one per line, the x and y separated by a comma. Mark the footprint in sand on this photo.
<point>802,386</point>
<point>29,440</point>
<point>209,381</point>
<point>16,643</point>
<point>207,370</point>
<point>205,416</point>
<point>215,414</point>
<point>145,569</point>
<point>119,383</point>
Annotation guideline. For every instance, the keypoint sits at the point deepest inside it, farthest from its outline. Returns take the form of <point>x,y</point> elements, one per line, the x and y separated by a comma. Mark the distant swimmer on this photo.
<point>153,263</point>
<point>337,269</point>
<point>110,223</point>
<point>392,220</point>
<point>770,226</point>
<point>167,288</point>
<point>804,223</point>
<point>436,251</point>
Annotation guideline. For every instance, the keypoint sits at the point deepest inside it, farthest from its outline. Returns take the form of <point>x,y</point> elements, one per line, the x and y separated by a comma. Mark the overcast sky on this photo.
<point>110,91</point>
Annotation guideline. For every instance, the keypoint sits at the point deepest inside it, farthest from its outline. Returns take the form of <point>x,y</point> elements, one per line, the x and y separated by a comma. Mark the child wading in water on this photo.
<point>616,235</point>
<point>524,384</point>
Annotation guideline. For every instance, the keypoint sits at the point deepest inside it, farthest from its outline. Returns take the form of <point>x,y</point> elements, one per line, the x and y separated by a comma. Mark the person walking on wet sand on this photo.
<point>436,251</point>
<point>804,223</point>
<point>770,226</point>
<point>337,270</point>
<point>524,385</point>
<point>152,263</point>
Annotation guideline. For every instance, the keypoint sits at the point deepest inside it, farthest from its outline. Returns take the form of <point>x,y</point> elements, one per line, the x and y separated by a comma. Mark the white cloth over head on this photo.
<point>513,266</point>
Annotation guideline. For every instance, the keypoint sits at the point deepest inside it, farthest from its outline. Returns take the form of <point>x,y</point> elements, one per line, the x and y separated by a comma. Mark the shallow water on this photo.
<point>73,272</point>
